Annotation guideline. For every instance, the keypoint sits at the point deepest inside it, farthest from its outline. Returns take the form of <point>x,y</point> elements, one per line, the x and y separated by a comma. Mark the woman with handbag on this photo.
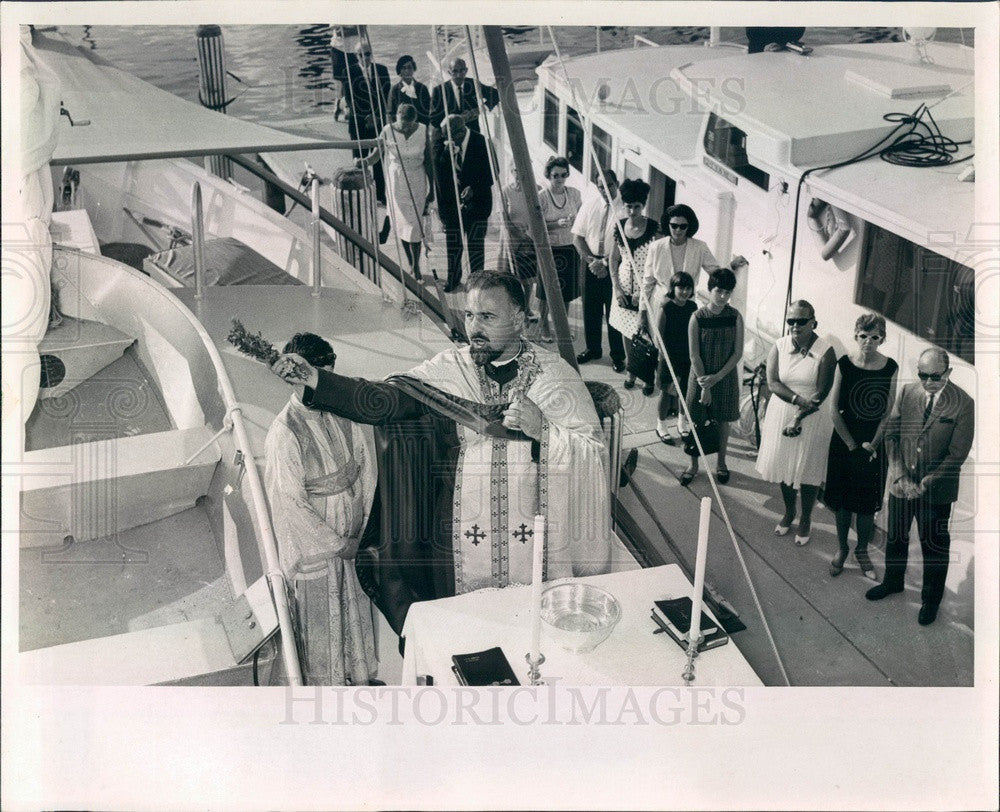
<point>795,437</point>
<point>715,335</point>
<point>675,316</point>
<point>626,271</point>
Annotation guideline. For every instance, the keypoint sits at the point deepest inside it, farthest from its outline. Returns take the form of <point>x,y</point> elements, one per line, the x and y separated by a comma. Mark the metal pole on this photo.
<point>317,275</point>
<point>519,149</point>
<point>212,84</point>
<point>198,241</point>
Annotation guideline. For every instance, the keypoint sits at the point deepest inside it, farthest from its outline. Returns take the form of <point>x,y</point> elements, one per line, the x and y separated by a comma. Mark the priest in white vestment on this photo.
<point>515,434</point>
<point>320,474</point>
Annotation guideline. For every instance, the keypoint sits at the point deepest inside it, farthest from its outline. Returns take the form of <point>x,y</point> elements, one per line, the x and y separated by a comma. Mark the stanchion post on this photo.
<point>198,240</point>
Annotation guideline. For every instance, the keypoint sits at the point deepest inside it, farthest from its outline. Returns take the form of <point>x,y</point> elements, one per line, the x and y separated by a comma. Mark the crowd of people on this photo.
<point>431,480</point>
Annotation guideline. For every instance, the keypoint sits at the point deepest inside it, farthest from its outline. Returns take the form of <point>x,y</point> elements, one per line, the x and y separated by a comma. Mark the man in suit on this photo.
<point>458,95</point>
<point>928,437</point>
<point>462,166</point>
<point>366,92</point>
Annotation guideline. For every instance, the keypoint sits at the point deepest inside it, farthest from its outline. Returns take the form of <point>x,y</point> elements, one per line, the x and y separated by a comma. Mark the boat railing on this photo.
<point>355,238</point>
<point>233,421</point>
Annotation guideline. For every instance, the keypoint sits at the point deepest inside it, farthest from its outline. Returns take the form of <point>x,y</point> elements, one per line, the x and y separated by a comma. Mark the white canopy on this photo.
<point>130,119</point>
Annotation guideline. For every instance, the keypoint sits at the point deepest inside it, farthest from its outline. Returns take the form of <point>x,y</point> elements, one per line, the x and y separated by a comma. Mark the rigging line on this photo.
<point>491,151</point>
<point>682,402</point>
<point>386,124</point>
<point>365,169</point>
<point>449,145</point>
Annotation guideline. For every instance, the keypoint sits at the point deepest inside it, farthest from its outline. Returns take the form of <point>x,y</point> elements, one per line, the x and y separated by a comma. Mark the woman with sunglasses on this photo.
<point>559,203</point>
<point>864,389</point>
<point>795,437</point>
<point>626,267</point>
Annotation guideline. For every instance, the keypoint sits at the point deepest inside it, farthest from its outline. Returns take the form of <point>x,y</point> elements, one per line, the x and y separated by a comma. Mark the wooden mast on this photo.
<point>519,149</point>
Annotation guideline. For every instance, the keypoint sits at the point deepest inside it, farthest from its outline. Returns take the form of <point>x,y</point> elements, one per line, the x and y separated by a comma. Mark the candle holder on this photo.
<point>534,666</point>
<point>692,652</point>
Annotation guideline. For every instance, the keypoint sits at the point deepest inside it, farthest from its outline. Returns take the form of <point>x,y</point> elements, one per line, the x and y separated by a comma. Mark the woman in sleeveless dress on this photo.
<point>627,267</point>
<point>715,336</point>
<point>404,147</point>
<point>559,204</point>
<point>864,389</point>
<point>795,438</point>
<point>675,317</point>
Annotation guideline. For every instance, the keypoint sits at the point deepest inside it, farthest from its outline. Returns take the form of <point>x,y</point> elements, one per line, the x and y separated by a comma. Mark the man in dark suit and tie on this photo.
<point>464,194</point>
<point>366,92</point>
<point>928,437</point>
<point>458,95</point>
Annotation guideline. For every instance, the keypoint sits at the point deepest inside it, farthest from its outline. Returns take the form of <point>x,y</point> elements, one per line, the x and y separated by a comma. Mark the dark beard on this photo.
<point>483,356</point>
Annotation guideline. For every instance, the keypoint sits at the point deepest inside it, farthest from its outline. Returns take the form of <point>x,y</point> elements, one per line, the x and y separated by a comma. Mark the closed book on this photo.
<point>489,667</point>
<point>676,612</point>
<point>712,640</point>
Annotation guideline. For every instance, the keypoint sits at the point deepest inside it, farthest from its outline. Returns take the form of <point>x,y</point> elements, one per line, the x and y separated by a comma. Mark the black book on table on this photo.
<point>713,639</point>
<point>676,612</point>
<point>489,667</point>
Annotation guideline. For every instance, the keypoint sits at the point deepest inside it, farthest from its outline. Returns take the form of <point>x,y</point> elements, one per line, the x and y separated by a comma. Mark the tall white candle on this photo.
<point>538,556</point>
<point>699,568</point>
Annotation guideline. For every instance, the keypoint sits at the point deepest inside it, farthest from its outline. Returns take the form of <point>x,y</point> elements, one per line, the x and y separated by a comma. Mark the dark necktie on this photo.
<point>928,408</point>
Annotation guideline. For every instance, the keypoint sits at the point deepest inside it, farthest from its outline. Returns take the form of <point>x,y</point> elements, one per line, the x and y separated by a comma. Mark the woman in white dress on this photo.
<point>627,267</point>
<point>405,148</point>
<point>795,438</point>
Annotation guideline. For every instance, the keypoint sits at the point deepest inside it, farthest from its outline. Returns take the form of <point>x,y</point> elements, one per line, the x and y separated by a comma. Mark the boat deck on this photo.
<point>164,572</point>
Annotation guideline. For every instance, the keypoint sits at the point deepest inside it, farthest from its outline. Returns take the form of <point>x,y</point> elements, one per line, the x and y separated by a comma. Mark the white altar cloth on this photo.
<point>632,655</point>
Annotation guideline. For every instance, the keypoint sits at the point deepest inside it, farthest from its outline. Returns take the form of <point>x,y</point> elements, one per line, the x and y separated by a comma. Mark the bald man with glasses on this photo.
<point>928,437</point>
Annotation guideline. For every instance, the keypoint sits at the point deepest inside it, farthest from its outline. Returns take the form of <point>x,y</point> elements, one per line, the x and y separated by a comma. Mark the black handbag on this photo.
<point>708,432</point>
<point>642,358</point>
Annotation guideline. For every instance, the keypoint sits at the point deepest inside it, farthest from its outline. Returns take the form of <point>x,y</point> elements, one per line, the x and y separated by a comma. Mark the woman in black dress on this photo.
<point>675,316</point>
<point>409,91</point>
<point>863,392</point>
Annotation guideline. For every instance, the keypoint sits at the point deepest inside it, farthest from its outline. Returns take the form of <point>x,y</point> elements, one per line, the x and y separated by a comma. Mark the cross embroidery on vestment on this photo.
<point>523,533</point>
<point>475,535</point>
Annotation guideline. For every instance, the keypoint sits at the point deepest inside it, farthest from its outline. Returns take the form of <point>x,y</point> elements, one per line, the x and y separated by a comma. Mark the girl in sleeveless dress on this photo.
<point>795,437</point>
<point>715,336</point>
<point>864,389</point>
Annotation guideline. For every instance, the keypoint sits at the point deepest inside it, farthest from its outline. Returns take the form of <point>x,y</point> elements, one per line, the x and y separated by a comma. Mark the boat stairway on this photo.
<point>95,488</point>
<point>74,350</point>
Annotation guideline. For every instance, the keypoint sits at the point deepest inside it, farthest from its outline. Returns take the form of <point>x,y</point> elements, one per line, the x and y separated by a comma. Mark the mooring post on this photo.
<point>212,86</point>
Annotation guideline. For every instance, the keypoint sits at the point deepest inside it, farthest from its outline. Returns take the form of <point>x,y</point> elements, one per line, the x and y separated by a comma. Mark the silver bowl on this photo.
<point>578,617</point>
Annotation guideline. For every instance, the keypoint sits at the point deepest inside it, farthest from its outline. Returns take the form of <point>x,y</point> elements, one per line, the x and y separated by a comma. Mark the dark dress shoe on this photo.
<point>618,365</point>
<point>928,614</point>
<point>583,357</point>
<point>879,591</point>
<point>450,288</point>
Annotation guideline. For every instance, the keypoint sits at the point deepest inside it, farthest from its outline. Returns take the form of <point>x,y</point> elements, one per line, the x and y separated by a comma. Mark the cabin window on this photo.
<point>728,145</point>
<point>574,139</point>
<point>550,120</point>
<point>602,151</point>
<point>921,291</point>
